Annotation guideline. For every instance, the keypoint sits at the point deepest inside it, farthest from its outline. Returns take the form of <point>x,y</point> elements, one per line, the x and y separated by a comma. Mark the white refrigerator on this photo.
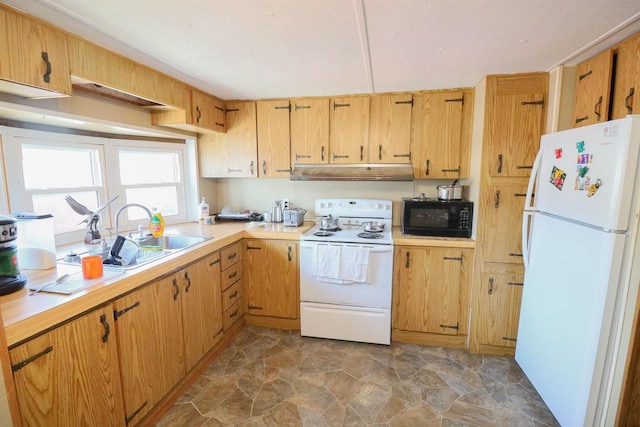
<point>581,256</point>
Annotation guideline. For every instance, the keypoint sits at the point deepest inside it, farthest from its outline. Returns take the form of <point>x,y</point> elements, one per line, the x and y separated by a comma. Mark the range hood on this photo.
<point>352,172</point>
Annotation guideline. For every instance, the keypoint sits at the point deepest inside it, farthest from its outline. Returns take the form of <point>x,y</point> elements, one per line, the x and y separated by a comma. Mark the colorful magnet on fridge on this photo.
<point>557,177</point>
<point>558,153</point>
<point>583,171</point>
<point>594,187</point>
<point>580,146</point>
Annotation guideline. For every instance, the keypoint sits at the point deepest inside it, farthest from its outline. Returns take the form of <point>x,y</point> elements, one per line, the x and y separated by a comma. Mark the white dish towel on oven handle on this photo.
<point>342,264</point>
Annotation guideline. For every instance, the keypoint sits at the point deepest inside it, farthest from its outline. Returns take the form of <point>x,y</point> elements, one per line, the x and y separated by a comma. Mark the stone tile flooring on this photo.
<point>269,377</point>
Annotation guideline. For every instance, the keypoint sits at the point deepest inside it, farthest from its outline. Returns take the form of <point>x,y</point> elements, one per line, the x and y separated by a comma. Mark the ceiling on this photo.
<point>253,49</point>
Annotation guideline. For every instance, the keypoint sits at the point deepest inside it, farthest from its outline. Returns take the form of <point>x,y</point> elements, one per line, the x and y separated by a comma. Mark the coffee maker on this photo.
<point>10,278</point>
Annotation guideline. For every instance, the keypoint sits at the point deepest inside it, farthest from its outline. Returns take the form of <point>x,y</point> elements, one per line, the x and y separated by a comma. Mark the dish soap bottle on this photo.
<point>203,208</point>
<point>156,224</point>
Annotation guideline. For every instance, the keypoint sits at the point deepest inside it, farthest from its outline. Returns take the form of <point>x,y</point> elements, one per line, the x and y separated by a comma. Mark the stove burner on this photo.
<point>332,229</point>
<point>323,233</point>
<point>370,235</point>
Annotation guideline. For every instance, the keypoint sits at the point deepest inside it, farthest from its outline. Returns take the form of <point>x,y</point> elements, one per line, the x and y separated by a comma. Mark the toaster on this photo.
<point>294,217</point>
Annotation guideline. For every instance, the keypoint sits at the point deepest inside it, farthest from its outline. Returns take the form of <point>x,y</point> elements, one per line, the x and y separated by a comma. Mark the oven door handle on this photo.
<point>372,249</point>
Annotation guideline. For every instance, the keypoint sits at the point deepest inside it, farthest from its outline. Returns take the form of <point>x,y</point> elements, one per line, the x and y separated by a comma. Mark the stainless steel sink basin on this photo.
<point>151,249</point>
<point>173,242</point>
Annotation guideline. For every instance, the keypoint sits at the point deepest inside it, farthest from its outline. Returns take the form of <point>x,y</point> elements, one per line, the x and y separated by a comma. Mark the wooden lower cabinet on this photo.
<point>164,329</point>
<point>499,299</point>
<point>431,294</point>
<point>70,375</point>
<point>271,278</point>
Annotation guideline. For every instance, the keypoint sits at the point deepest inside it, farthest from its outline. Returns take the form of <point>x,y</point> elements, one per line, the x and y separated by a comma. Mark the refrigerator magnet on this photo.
<point>558,153</point>
<point>593,188</point>
<point>557,178</point>
<point>580,146</point>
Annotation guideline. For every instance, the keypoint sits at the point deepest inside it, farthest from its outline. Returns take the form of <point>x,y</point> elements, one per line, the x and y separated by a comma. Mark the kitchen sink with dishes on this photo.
<point>143,252</point>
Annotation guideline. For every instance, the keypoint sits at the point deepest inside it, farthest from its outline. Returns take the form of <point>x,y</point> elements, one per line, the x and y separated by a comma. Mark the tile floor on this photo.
<point>269,377</point>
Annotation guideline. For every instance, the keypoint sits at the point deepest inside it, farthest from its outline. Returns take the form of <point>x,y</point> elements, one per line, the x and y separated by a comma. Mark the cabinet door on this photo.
<point>274,151</point>
<point>240,152</point>
<point>499,300</point>
<point>151,345</point>
<point>271,278</point>
<point>436,136</point>
<point>593,86</point>
<point>427,290</point>
<point>501,223</point>
<point>34,54</point>
<point>69,376</point>
<point>390,128</point>
<point>626,90</point>
<point>349,130</point>
<point>203,111</point>
<point>515,122</point>
<point>310,131</point>
<point>201,307</point>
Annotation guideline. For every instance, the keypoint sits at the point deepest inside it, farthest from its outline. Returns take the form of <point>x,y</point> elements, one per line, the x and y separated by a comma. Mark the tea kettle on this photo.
<point>277,213</point>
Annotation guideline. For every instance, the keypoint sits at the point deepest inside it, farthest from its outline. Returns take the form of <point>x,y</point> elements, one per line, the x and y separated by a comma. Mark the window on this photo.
<point>43,168</point>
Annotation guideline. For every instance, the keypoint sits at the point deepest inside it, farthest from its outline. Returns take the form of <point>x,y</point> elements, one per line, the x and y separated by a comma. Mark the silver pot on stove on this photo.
<point>328,222</point>
<point>450,192</point>
<point>373,226</point>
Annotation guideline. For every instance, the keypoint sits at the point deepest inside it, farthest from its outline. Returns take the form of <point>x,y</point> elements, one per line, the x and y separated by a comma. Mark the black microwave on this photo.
<point>436,217</point>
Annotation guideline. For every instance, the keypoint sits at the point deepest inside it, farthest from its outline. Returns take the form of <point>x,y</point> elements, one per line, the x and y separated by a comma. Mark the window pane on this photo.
<point>148,167</point>
<point>64,218</point>
<point>47,167</point>
<point>163,198</point>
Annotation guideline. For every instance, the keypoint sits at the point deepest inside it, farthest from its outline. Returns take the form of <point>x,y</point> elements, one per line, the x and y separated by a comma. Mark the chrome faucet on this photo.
<point>128,205</point>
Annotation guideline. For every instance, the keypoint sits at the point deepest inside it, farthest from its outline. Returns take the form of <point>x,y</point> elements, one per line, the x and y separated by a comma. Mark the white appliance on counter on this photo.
<point>582,268</point>
<point>346,272</point>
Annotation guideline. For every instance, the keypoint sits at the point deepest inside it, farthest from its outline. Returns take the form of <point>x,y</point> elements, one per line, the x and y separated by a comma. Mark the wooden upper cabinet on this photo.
<point>626,90</point>
<point>390,128</point>
<point>69,376</point>
<point>234,153</point>
<point>349,130</point>
<point>274,145</point>
<point>500,297</point>
<point>593,88</point>
<point>33,54</point>
<point>515,121</point>
<point>207,111</point>
<point>310,131</point>
<point>436,135</point>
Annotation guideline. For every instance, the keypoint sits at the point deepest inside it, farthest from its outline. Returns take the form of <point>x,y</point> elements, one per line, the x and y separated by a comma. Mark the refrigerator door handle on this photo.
<point>528,205</point>
<point>525,238</point>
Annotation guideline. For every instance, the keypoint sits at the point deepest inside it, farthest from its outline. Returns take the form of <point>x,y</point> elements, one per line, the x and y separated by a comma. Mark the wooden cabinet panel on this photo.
<point>232,314</point>
<point>271,278</point>
<point>235,153</point>
<point>500,299</point>
<point>231,275</point>
<point>626,89</point>
<point>501,219</point>
<point>33,54</point>
<point>430,291</point>
<point>310,131</point>
<point>390,128</point>
<point>151,344</point>
<point>593,88</point>
<point>436,134</point>
<point>70,376</point>
<point>349,130</point>
<point>274,150</point>
<point>232,294</point>
<point>207,111</point>
<point>514,123</point>
<point>230,255</point>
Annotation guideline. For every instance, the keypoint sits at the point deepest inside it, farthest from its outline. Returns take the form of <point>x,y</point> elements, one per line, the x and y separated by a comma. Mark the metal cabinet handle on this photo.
<point>587,74</point>
<point>627,101</point>
<point>36,356</point>
<point>361,152</point>
<point>490,285</point>
<point>289,254</point>
<point>186,276</point>
<point>499,163</point>
<point>302,156</point>
<point>234,314</point>
<point>233,295</point>
<point>199,115</point>
<point>427,167</point>
<point>177,288</point>
<point>47,74</point>
<point>211,264</point>
<point>322,153</point>
<point>496,204</point>
<point>597,108</point>
<point>232,275</point>
<point>251,167</point>
<point>264,167</point>
<point>107,329</point>
<point>408,257</point>
<point>582,119</point>
<point>233,255</point>
<point>379,152</point>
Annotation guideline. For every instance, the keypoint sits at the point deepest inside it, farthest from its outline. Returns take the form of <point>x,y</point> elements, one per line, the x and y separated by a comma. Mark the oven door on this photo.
<point>376,294</point>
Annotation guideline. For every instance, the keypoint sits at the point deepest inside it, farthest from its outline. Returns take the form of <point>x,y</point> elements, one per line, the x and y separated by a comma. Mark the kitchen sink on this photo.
<point>150,250</point>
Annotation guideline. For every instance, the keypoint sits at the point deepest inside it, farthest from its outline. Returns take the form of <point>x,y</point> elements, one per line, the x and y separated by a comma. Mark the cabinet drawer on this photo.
<point>231,275</point>
<point>230,255</point>
<point>231,295</point>
<point>232,314</point>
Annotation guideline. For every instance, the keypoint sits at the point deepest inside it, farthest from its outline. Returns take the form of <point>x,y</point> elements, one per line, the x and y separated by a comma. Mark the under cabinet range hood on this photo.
<point>352,172</point>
